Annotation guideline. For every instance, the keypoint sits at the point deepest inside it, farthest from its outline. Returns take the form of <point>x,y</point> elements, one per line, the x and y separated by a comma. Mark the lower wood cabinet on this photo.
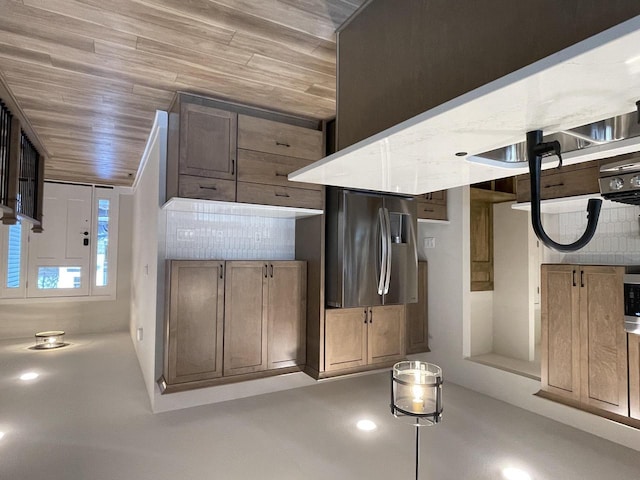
<point>265,308</point>
<point>193,344</point>
<point>234,318</point>
<point>634,376</point>
<point>356,337</point>
<point>417,325</point>
<point>584,345</point>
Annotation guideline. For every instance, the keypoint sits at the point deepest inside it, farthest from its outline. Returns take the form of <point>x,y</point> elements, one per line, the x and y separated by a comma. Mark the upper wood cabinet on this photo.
<point>265,312</point>
<point>417,325</point>
<point>357,337</point>
<point>230,152</point>
<point>567,181</point>
<point>584,345</point>
<point>194,320</point>
<point>432,206</point>
<point>207,142</point>
<point>634,376</point>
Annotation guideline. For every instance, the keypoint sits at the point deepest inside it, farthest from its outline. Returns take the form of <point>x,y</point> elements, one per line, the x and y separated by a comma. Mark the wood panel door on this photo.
<point>245,326</point>
<point>345,338</point>
<point>417,328</point>
<point>386,334</point>
<point>208,140</point>
<point>560,324</point>
<point>603,352</point>
<point>634,376</point>
<point>481,236</point>
<point>194,321</point>
<point>287,314</point>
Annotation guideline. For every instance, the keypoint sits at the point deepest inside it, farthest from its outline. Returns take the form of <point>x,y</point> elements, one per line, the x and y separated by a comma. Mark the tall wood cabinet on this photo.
<point>584,345</point>
<point>355,337</point>
<point>481,245</point>
<point>417,324</point>
<point>193,345</point>
<point>227,321</point>
<point>634,376</point>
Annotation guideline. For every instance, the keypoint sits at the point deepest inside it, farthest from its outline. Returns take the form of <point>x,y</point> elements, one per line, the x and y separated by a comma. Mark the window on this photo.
<point>75,256</point>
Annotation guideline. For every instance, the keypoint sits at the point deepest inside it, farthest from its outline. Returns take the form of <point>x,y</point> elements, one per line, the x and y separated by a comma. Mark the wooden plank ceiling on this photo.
<point>90,74</point>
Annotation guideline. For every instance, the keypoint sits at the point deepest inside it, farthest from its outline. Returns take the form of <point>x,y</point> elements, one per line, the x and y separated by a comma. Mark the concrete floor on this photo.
<point>87,417</point>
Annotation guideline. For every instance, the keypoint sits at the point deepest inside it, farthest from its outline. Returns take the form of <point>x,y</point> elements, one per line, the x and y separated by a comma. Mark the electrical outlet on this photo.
<point>429,242</point>
<point>139,334</point>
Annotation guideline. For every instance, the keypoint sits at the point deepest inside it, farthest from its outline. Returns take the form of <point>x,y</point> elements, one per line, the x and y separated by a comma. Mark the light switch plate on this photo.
<point>429,242</point>
<point>139,334</point>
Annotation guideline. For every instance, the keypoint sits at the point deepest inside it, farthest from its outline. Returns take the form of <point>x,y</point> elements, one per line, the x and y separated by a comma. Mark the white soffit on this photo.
<point>592,80</point>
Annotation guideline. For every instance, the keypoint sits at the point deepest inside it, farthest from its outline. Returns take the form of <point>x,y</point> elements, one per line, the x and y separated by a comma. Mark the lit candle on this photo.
<point>417,405</point>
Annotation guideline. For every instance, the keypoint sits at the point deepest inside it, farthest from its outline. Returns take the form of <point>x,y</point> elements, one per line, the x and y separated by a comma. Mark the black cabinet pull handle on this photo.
<point>278,174</point>
<point>281,144</point>
<point>233,166</point>
<point>285,195</point>
<point>573,276</point>
<point>207,187</point>
<point>428,210</point>
<point>582,278</point>
<point>551,185</point>
<point>271,268</point>
<point>365,315</point>
<point>370,316</point>
<point>265,271</point>
<point>221,271</point>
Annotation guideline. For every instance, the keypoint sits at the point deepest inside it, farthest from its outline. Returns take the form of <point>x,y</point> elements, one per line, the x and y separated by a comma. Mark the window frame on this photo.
<point>28,291</point>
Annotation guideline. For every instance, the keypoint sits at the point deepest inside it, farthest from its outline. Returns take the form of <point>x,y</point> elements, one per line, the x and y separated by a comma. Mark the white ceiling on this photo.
<point>592,80</point>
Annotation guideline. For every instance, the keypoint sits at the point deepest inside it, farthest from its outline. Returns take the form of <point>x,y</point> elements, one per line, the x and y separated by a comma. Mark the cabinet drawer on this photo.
<point>279,138</point>
<point>260,167</point>
<point>206,188</point>
<point>581,179</point>
<point>432,211</point>
<point>280,196</point>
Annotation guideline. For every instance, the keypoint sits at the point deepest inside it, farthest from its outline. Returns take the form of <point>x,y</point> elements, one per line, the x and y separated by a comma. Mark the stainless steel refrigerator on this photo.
<point>371,256</point>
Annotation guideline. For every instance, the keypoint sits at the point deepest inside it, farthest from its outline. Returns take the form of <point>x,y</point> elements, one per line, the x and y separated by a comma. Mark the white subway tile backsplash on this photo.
<point>616,242</point>
<point>202,235</point>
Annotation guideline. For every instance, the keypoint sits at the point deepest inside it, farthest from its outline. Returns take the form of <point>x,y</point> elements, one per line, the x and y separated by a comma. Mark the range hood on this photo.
<point>442,148</point>
<point>597,137</point>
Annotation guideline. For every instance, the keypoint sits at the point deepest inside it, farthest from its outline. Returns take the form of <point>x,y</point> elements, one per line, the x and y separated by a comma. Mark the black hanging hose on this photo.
<point>535,149</point>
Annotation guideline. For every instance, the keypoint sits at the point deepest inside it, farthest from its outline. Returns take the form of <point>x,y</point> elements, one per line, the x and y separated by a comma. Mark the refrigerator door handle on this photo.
<point>383,240</point>
<point>387,280</point>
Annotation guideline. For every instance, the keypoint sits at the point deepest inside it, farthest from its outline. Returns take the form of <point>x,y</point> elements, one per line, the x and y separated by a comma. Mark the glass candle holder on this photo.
<point>416,390</point>
<point>48,340</point>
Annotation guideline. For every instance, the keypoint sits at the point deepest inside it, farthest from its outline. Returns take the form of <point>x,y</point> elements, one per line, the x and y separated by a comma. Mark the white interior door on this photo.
<point>59,257</point>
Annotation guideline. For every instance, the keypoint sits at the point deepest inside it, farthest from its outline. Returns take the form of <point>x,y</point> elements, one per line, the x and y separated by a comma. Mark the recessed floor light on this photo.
<point>515,474</point>
<point>366,425</point>
<point>29,376</point>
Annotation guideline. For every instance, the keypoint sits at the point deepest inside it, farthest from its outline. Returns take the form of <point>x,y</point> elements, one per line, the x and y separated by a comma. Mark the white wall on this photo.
<point>449,328</point>
<point>512,305</point>
<point>481,322</point>
<point>144,261</point>
<point>23,318</point>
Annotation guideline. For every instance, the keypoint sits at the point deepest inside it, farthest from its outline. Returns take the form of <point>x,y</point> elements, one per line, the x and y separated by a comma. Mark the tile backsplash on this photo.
<point>616,242</point>
<point>201,235</point>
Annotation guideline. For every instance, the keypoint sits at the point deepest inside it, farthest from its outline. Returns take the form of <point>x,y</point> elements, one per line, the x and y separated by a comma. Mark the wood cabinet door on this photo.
<point>386,334</point>
<point>208,139</point>
<point>481,236</point>
<point>603,358</point>
<point>345,338</point>
<point>634,376</point>
<point>287,312</point>
<point>560,325</point>
<point>417,330</point>
<point>245,326</point>
<point>195,320</point>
